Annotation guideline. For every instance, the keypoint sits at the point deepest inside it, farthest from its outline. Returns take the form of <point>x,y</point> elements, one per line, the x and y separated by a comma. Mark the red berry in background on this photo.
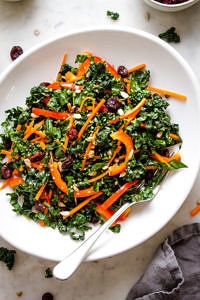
<point>15,52</point>
<point>47,296</point>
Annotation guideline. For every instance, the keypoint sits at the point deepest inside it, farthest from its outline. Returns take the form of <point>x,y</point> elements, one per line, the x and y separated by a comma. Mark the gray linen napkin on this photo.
<point>174,272</point>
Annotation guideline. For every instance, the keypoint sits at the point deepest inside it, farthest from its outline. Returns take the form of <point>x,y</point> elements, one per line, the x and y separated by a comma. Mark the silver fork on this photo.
<point>64,269</point>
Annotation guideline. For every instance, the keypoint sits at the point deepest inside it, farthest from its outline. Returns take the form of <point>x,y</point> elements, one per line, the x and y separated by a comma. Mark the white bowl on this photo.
<point>170,7</point>
<point>119,46</point>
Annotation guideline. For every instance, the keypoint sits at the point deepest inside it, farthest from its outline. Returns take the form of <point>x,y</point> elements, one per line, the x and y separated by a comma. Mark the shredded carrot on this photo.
<point>70,125</point>
<point>33,129</point>
<point>38,166</point>
<point>129,115</point>
<point>117,149</point>
<point>98,177</point>
<point>166,159</point>
<point>133,113</point>
<point>195,210</point>
<point>56,176</point>
<point>167,93</point>
<point>150,167</point>
<point>64,59</point>
<point>115,196</point>
<point>40,191</point>
<point>91,116</point>
<point>174,136</point>
<point>15,181</point>
<point>83,102</point>
<point>42,145</point>
<point>19,126</point>
<point>85,193</point>
<point>8,153</point>
<point>90,146</point>
<point>5,183</point>
<point>41,222</point>
<point>82,204</point>
<point>136,68</point>
<point>71,77</point>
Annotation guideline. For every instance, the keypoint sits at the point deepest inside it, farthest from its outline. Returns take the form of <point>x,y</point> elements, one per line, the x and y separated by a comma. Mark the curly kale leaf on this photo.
<point>7,256</point>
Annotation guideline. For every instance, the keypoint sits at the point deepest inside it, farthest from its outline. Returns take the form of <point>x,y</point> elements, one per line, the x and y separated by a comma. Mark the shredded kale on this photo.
<point>48,273</point>
<point>34,141</point>
<point>170,36</point>
<point>113,15</point>
<point>7,256</point>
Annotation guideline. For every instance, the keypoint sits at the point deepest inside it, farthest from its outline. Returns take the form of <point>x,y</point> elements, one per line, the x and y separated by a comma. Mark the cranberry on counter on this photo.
<point>15,52</point>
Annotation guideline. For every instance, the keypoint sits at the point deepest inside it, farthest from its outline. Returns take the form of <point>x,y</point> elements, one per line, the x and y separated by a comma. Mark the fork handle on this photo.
<point>64,269</point>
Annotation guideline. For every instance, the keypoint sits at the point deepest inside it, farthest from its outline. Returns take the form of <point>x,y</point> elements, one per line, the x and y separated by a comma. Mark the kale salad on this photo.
<point>82,144</point>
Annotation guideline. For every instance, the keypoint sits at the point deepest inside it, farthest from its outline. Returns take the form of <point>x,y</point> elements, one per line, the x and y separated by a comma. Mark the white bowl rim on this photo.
<point>173,5</point>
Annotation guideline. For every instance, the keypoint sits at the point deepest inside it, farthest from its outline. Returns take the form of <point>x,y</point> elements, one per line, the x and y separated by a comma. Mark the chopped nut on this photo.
<point>36,32</point>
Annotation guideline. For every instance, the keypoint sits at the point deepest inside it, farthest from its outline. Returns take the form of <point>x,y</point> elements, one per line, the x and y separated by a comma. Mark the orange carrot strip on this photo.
<point>85,193</point>
<point>117,149</point>
<point>42,145</point>
<point>5,183</point>
<point>136,68</point>
<point>56,176</point>
<point>33,129</point>
<point>195,210</point>
<point>167,93</point>
<point>15,181</point>
<point>38,166</point>
<point>19,126</point>
<point>124,215</point>
<point>71,122</point>
<point>105,213</point>
<point>8,153</point>
<point>89,147</point>
<point>98,177</point>
<point>115,196</point>
<point>64,59</point>
<point>133,113</point>
<point>84,100</point>
<point>174,136</point>
<point>165,159</point>
<point>41,222</point>
<point>150,167</point>
<point>82,204</point>
<point>50,113</point>
<point>91,116</point>
<point>40,191</point>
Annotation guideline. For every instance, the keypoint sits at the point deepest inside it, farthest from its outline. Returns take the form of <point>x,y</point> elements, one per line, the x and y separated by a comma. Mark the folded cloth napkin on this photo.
<point>174,272</point>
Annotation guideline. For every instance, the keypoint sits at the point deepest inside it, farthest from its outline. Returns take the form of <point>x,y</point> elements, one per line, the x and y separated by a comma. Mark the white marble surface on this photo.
<point>27,23</point>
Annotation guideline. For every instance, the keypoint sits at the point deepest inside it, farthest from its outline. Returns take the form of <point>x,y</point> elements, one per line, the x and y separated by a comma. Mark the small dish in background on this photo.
<point>170,7</point>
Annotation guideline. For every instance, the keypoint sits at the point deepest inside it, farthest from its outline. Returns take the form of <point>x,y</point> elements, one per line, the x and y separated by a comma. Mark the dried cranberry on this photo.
<point>47,296</point>
<point>113,103</point>
<point>94,219</point>
<point>72,133</point>
<point>6,171</point>
<point>122,71</point>
<point>45,83</point>
<point>15,52</point>
<point>149,174</point>
<point>39,206</point>
<point>36,157</point>
<point>171,1</point>
<point>103,108</point>
<point>7,143</point>
<point>67,162</point>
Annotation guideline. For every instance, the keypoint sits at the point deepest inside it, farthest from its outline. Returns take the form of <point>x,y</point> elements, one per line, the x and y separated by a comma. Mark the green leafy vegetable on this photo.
<point>63,156</point>
<point>7,256</point>
<point>170,36</point>
<point>112,15</point>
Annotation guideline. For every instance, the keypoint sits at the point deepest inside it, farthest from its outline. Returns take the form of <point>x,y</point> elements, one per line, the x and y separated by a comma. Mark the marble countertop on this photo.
<point>27,23</point>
